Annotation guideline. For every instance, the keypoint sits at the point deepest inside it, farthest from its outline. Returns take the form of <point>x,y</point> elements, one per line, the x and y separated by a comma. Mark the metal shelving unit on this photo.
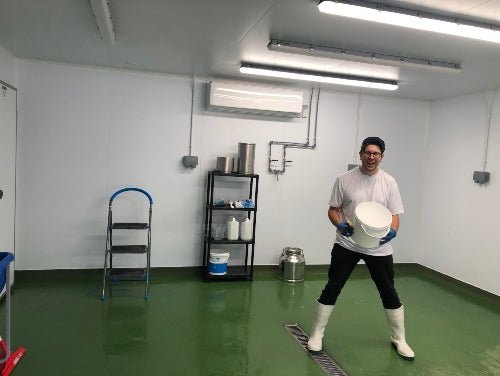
<point>245,270</point>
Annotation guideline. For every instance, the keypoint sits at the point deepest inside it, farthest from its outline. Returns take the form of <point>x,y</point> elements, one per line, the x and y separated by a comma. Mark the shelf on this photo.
<point>226,241</point>
<point>245,269</point>
<point>229,208</point>
<point>233,174</point>
<point>234,272</point>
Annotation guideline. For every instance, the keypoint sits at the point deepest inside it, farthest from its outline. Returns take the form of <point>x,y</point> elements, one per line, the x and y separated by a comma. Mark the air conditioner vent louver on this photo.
<point>254,99</point>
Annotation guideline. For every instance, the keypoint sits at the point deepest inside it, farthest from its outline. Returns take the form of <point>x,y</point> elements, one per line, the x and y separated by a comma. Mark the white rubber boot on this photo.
<point>322,315</point>
<point>396,319</point>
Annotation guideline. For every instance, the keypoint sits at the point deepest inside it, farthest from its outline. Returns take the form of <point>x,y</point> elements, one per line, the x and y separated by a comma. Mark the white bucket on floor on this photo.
<point>372,221</point>
<point>217,264</point>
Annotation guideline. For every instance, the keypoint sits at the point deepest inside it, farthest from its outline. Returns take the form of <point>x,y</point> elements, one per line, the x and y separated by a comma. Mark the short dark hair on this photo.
<point>373,141</point>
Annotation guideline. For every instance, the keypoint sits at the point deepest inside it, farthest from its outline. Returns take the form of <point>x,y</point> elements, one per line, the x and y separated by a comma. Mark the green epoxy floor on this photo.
<point>189,327</point>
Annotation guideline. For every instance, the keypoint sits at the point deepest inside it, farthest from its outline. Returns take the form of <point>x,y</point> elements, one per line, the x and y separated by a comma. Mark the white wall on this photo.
<point>293,209</point>
<point>460,233</point>
<point>7,67</point>
<point>402,124</point>
<point>85,132</point>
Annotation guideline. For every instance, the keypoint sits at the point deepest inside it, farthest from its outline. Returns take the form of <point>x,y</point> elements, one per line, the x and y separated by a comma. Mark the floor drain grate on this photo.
<point>324,361</point>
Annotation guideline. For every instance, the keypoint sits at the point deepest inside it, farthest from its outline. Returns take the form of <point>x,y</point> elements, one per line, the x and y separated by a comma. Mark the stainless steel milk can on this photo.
<point>292,265</point>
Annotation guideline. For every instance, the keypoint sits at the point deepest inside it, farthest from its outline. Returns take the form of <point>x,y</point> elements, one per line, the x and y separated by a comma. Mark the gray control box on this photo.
<point>481,177</point>
<point>190,161</point>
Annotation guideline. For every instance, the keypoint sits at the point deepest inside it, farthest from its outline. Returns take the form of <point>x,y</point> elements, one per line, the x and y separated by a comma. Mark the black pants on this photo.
<point>343,263</point>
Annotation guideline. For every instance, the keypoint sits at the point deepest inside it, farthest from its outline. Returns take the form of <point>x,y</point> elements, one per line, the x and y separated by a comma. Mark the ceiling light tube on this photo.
<point>369,11</point>
<point>102,16</point>
<point>355,55</point>
<point>329,78</point>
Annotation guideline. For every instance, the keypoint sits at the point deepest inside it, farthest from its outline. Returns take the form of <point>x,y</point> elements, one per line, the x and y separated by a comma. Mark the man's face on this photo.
<point>370,159</point>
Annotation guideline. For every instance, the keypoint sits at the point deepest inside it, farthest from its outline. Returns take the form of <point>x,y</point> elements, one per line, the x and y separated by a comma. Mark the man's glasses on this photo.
<point>374,154</point>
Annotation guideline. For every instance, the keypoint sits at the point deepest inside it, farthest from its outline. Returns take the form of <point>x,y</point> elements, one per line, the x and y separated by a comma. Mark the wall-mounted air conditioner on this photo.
<point>254,99</point>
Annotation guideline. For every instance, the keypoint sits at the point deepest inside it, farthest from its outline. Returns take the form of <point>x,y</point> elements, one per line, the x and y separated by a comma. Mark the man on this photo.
<point>364,183</point>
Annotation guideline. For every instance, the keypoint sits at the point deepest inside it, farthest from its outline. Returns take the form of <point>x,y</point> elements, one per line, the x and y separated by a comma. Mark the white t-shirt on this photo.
<point>352,188</point>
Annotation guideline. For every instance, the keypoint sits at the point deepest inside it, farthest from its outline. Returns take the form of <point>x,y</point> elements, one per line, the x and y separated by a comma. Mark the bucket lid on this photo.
<point>373,215</point>
<point>219,254</point>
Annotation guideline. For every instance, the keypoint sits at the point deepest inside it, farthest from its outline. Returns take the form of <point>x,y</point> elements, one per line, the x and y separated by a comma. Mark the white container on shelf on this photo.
<point>246,229</point>
<point>233,228</point>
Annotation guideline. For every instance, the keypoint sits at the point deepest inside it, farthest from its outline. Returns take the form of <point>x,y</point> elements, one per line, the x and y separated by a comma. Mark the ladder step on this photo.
<point>123,274</point>
<point>129,249</point>
<point>130,226</point>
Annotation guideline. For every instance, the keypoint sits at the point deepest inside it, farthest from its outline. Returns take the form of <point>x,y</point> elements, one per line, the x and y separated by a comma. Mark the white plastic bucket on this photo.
<point>372,221</point>
<point>217,264</point>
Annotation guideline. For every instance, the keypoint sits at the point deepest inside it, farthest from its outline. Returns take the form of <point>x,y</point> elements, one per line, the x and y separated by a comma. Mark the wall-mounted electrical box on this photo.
<point>248,98</point>
<point>190,161</point>
<point>481,177</point>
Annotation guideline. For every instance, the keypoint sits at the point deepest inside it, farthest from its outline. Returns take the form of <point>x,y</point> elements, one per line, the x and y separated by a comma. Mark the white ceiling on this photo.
<point>210,38</point>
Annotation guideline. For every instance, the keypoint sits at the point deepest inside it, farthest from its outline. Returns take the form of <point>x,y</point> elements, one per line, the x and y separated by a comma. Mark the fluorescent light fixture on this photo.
<point>102,16</point>
<point>355,55</point>
<point>329,78</point>
<point>370,11</point>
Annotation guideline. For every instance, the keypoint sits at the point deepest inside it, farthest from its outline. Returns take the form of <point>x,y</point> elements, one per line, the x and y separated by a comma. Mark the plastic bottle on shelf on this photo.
<point>233,228</point>
<point>246,227</point>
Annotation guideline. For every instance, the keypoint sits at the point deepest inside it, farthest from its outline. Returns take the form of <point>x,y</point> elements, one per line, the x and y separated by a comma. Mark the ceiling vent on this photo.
<point>254,99</point>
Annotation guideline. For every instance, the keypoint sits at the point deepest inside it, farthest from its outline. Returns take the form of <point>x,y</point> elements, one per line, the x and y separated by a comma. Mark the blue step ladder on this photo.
<point>127,274</point>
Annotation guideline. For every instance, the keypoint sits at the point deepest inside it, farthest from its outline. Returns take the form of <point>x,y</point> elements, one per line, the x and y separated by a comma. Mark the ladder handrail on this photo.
<point>132,189</point>
<point>5,259</point>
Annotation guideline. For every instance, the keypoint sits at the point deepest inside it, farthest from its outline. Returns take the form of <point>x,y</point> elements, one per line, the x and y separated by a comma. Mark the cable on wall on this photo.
<point>490,99</point>
<point>189,160</point>
<point>482,177</point>
<point>191,119</point>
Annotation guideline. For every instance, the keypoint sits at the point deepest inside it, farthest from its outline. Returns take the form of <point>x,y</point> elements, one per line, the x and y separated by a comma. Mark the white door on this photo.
<point>8,126</point>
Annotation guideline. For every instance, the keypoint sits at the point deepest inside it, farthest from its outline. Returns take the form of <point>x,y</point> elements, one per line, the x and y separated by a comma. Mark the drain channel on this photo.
<point>324,361</point>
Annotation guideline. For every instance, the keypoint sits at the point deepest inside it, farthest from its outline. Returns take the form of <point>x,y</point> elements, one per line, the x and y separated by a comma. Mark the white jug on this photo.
<point>233,228</point>
<point>246,229</point>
